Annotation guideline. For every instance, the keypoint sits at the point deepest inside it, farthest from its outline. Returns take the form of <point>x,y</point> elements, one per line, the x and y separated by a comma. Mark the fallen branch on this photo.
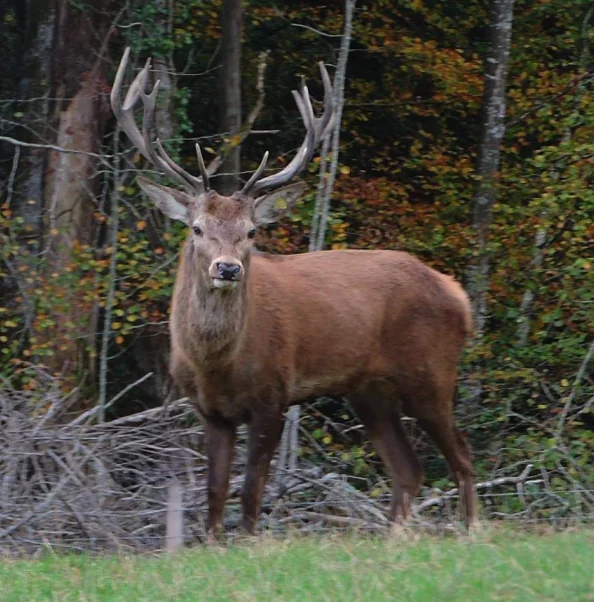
<point>343,521</point>
<point>574,389</point>
<point>439,499</point>
<point>41,507</point>
<point>99,408</point>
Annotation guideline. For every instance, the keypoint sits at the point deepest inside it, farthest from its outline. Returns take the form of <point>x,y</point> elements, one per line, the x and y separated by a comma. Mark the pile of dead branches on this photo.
<point>81,484</point>
<point>74,483</point>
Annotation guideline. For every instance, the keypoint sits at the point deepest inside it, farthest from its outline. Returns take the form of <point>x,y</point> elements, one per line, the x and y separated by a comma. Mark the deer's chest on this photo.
<point>233,394</point>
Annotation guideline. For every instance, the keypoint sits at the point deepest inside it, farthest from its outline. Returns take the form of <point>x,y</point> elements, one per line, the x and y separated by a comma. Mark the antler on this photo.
<point>124,113</point>
<point>317,128</point>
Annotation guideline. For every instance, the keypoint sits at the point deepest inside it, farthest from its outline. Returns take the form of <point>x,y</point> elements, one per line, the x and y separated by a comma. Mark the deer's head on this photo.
<point>221,228</point>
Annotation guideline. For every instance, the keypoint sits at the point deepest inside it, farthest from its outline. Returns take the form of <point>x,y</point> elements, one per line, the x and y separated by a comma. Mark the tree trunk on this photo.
<point>36,24</point>
<point>149,351</point>
<point>164,72</point>
<point>492,131</point>
<point>39,35</point>
<point>79,117</point>
<point>331,146</point>
<point>230,85</point>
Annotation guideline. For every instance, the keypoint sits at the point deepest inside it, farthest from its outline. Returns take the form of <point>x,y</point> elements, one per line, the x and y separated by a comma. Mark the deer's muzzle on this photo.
<point>225,273</point>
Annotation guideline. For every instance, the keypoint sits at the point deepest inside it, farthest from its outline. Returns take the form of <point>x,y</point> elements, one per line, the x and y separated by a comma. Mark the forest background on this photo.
<point>87,264</point>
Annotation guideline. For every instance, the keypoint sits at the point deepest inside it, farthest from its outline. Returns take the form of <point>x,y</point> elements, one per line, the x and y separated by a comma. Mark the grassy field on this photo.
<point>505,565</point>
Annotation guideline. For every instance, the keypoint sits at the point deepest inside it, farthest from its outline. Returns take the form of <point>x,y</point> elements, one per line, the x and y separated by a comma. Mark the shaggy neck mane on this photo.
<point>210,321</point>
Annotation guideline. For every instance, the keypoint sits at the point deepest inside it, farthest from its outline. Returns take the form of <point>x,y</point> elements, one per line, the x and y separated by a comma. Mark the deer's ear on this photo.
<point>173,203</point>
<point>270,207</point>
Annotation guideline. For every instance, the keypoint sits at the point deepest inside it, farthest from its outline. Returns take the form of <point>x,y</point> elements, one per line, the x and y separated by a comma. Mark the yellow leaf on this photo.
<point>345,169</point>
<point>141,225</point>
<point>564,383</point>
<point>280,204</point>
<point>116,325</point>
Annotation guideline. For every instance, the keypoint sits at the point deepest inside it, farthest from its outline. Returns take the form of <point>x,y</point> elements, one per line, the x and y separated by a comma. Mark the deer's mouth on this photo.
<point>224,283</point>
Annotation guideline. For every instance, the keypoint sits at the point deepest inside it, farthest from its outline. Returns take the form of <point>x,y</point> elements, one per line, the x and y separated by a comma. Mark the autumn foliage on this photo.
<point>406,181</point>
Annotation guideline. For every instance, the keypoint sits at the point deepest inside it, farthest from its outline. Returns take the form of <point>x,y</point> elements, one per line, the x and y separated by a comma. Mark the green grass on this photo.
<point>505,565</point>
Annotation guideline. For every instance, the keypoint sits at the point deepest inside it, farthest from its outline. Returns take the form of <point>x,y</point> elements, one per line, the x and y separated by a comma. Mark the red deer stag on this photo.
<point>252,334</point>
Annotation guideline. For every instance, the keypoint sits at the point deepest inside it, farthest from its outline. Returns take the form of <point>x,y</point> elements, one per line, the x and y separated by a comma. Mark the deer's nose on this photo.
<point>228,271</point>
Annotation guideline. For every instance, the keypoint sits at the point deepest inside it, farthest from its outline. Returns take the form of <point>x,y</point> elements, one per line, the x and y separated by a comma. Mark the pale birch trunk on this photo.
<point>492,131</point>
<point>330,150</point>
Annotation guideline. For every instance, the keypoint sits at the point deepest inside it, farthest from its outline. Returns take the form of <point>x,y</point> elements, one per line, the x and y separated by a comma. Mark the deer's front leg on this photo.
<point>220,445</point>
<point>264,433</point>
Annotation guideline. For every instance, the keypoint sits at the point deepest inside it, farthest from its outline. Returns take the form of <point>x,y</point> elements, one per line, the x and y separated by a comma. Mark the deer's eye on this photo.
<point>252,233</point>
<point>197,230</point>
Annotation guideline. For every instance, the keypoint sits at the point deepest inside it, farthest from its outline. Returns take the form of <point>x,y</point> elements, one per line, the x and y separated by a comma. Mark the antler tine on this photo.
<point>325,122</point>
<point>198,184</point>
<point>256,175</point>
<point>202,167</point>
<point>125,116</point>
<point>148,117</point>
<point>186,178</point>
<point>317,128</point>
<point>138,84</point>
<point>123,113</point>
<point>163,160</point>
<point>299,161</point>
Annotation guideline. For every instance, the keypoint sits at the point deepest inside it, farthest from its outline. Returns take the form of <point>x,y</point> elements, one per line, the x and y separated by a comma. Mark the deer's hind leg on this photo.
<point>432,404</point>
<point>457,454</point>
<point>381,418</point>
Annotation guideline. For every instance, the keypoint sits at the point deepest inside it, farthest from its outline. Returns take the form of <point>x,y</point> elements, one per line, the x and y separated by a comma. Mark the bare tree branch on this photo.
<point>574,389</point>
<point>53,147</point>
